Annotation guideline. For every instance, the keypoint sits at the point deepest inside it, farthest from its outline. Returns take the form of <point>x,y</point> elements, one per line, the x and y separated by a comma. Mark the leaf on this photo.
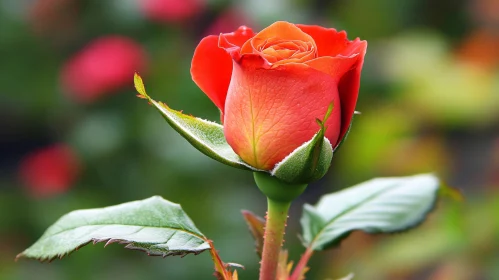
<point>235,265</point>
<point>283,266</point>
<point>310,161</point>
<point>256,226</point>
<point>348,277</point>
<point>222,270</point>
<point>451,192</point>
<point>208,137</point>
<point>383,205</point>
<point>139,85</point>
<point>154,225</point>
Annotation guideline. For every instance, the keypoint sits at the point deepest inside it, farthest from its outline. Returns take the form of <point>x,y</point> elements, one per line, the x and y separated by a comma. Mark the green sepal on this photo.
<point>206,136</point>
<point>310,161</point>
<point>382,205</point>
<point>346,134</point>
<point>276,189</point>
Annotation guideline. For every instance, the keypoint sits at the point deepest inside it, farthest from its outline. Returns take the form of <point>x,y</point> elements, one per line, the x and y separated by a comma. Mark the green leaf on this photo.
<point>154,225</point>
<point>310,161</point>
<point>208,137</point>
<point>348,277</point>
<point>283,266</point>
<point>139,85</point>
<point>451,192</point>
<point>256,226</point>
<point>382,205</point>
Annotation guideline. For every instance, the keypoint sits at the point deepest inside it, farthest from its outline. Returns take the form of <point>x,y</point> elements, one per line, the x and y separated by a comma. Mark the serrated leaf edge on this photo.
<point>128,245</point>
<point>133,245</point>
<point>191,138</point>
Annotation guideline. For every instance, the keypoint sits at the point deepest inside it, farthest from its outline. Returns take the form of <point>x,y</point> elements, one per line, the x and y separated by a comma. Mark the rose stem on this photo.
<point>277,215</point>
<point>302,264</point>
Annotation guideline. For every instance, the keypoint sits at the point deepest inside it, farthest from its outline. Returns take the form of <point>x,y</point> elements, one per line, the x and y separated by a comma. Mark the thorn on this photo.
<point>110,241</point>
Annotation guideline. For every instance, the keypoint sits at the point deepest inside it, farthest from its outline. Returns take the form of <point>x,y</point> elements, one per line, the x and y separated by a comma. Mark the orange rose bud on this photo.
<point>271,87</point>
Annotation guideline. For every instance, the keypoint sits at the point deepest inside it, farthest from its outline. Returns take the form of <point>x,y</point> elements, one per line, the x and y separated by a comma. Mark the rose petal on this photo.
<point>298,58</point>
<point>271,112</point>
<point>211,66</point>
<point>347,59</point>
<point>348,88</point>
<point>336,67</point>
<point>329,42</point>
<point>282,30</point>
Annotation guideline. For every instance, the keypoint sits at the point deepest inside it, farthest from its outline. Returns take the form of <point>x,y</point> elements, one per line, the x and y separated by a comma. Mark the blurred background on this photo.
<point>73,134</point>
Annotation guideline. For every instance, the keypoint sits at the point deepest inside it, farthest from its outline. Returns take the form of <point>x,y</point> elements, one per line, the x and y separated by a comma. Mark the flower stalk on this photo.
<point>277,216</point>
<point>279,197</point>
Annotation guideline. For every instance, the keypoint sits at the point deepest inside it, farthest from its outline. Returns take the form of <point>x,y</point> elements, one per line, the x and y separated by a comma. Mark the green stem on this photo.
<point>279,196</point>
<point>277,215</point>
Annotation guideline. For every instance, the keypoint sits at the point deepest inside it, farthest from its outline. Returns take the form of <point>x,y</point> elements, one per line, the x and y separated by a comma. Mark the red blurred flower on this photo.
<point>481,48</point>
<point>49,171</point>
<point>102,67</point>
<point>271,87</point>
<point>170,10</point>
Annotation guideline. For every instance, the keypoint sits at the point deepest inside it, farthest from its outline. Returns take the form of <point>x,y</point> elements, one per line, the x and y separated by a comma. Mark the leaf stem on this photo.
<point>220,267</point>
<point>302,264</point>
<point>277,216</point>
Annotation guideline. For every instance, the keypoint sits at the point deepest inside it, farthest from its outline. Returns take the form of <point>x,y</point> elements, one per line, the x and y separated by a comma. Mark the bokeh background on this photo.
<point>73,134</point>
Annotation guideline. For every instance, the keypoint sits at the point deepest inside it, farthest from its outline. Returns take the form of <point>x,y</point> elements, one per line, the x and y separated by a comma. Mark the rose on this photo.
<point>169,11</point>
<point>50,170</point>
<point>272,87</point>
<point>227,21</point>
<point>102,67</point>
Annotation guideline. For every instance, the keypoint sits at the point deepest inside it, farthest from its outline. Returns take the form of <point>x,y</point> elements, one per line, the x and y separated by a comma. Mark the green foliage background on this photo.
<point>427,106</point>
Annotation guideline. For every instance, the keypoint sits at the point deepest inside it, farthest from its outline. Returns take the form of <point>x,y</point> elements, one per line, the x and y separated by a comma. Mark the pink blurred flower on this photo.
<point>102,67</point>
<point>228,21</point>
<point>49,171</point>
<point>170,10</point>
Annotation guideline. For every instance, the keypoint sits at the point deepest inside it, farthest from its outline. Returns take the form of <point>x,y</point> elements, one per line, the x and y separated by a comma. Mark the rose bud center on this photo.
<point>279,51</point>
